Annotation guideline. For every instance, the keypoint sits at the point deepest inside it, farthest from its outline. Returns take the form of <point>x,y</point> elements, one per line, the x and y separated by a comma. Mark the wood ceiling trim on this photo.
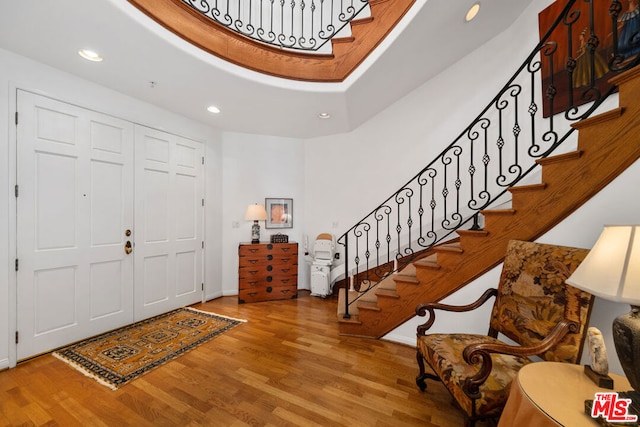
<point>226,44</point>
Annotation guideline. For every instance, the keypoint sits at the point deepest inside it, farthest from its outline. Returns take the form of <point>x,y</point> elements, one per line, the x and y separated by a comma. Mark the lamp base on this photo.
<point>626,337</point>
<point>255,232</point>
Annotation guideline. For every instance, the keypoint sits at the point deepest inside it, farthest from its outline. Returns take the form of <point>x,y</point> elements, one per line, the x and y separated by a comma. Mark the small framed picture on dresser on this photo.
<point>279,213</point>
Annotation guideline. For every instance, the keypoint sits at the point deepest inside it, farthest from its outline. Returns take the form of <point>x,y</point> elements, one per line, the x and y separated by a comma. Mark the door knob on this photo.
<point>127,247</point>
<point>127,232</point>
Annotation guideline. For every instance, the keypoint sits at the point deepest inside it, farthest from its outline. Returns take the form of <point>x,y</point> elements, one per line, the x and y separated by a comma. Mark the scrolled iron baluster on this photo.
<point>447,159</point>
<point>400,199</point>
<point>201,6</point>
<point>533,67</point>
<point>484,196</point>
<point>430,235</point>
<point>473,135</point>
<point>263,35</point>
<point>330,29</point>
<point>380,214</point>
<point>360,230</point>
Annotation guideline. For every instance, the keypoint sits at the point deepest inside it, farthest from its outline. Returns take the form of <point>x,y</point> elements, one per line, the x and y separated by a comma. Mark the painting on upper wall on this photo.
<point>279,213</point>
<point>572,37</point>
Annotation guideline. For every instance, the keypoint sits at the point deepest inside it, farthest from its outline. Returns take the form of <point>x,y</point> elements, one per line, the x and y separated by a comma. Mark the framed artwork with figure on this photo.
<point>279,213</point>
<point>589,74</point>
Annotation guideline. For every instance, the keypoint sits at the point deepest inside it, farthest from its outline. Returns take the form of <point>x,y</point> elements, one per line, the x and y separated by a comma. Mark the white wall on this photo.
<point>256,167</point>
<point>20,72</point>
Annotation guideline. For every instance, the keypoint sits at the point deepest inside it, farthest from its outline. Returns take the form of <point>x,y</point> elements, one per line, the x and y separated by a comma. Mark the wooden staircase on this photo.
<point>347,53</point>
<point>607,145</point>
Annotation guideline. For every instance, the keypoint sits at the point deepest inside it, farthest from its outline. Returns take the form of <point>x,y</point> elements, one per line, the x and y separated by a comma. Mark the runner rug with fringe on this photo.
<point>117,357</point>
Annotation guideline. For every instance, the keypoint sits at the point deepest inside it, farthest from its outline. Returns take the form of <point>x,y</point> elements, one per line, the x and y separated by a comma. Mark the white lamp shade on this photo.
<point>611,270</point>
<point>255,213</point>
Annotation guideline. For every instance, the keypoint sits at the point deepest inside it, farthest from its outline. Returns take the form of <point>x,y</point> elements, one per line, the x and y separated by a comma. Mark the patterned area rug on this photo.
<point>117,357</point>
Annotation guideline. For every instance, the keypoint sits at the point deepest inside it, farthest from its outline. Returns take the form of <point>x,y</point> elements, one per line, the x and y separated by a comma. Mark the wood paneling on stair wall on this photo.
<point>607,145</point>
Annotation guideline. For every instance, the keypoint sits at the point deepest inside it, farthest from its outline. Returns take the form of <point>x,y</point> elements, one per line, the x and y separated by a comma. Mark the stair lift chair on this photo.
<point>533,307</point>
<point>323,250</point>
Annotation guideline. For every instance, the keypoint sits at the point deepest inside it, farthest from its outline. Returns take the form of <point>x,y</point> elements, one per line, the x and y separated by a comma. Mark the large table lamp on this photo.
<point>255,213</point>
<point>611,271</point>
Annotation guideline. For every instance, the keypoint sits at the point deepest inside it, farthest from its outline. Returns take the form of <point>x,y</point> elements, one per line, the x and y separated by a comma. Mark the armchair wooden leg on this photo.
<point>421,377</point>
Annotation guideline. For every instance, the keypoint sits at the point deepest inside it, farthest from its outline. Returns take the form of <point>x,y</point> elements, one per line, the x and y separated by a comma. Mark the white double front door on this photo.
<point>109,223</point>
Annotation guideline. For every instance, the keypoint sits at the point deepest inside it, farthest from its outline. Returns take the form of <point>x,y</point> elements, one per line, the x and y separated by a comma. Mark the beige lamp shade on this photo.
<point>611,270</point>
<point>255,213</point>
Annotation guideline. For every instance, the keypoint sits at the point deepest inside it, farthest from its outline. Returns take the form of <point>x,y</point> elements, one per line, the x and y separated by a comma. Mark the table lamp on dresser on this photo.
<point>611,271</point>
<point>255,213</point>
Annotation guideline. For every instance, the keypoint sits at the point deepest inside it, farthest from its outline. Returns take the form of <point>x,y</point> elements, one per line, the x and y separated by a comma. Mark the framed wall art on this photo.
<point>279,213</point>
<point>581,79</point>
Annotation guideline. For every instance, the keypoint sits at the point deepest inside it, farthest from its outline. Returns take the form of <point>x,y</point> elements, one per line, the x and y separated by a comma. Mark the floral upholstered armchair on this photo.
<point>533,307</point>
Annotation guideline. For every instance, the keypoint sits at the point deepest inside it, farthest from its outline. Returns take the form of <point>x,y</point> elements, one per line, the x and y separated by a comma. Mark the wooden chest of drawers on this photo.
<point>267,271</point>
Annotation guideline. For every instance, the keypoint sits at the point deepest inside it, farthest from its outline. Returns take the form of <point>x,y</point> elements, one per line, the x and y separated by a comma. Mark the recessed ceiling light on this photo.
<point>324,115</point>
<point>472,12</point>
<point>213,109</point>
<point>90,55</point>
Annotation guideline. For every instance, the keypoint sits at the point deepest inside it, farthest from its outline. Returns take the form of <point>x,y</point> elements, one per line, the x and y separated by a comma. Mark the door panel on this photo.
<point>169,222</point>
<point>75,176</point>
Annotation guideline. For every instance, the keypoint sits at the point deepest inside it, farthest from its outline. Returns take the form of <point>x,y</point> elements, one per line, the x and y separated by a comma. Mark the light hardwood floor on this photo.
<point>287,366</point>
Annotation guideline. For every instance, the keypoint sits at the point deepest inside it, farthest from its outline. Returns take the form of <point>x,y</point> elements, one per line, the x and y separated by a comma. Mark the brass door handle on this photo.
<point>127,247</point>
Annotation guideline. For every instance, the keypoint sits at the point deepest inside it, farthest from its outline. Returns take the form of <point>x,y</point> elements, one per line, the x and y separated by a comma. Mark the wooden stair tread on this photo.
<point>596,120</point>
<point>406,279</point>
<point>473,233</point>
<point>498,212</point>
<point>528,188</point>
<point>362,21</point>
<point>367,305</point>
<point>453,247</point>
<point>387,293</point>
<point>573,155</point>
<point>430,262</point>
<point>347,39</point>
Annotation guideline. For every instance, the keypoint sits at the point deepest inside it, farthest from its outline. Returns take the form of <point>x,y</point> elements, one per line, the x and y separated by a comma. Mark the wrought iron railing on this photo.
<point>567,72</point>
<point>293,24</point>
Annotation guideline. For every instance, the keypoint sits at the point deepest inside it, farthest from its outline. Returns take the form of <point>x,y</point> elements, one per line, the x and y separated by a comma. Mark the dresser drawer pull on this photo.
<point>285,270</point>
<point>252,294</point>
<point>269,279</point>
<point>285,280</point>
<point>252,261</point>
<point>252,283</point>
<point>269,267</point>
<point>269,289</point>
<point>269,257</point>
<point>252,271</point>
<point>285,259</point>
<point>253,250</point>
<point>285,249</point>
<point>285,291</point>
<point>269,246</point>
